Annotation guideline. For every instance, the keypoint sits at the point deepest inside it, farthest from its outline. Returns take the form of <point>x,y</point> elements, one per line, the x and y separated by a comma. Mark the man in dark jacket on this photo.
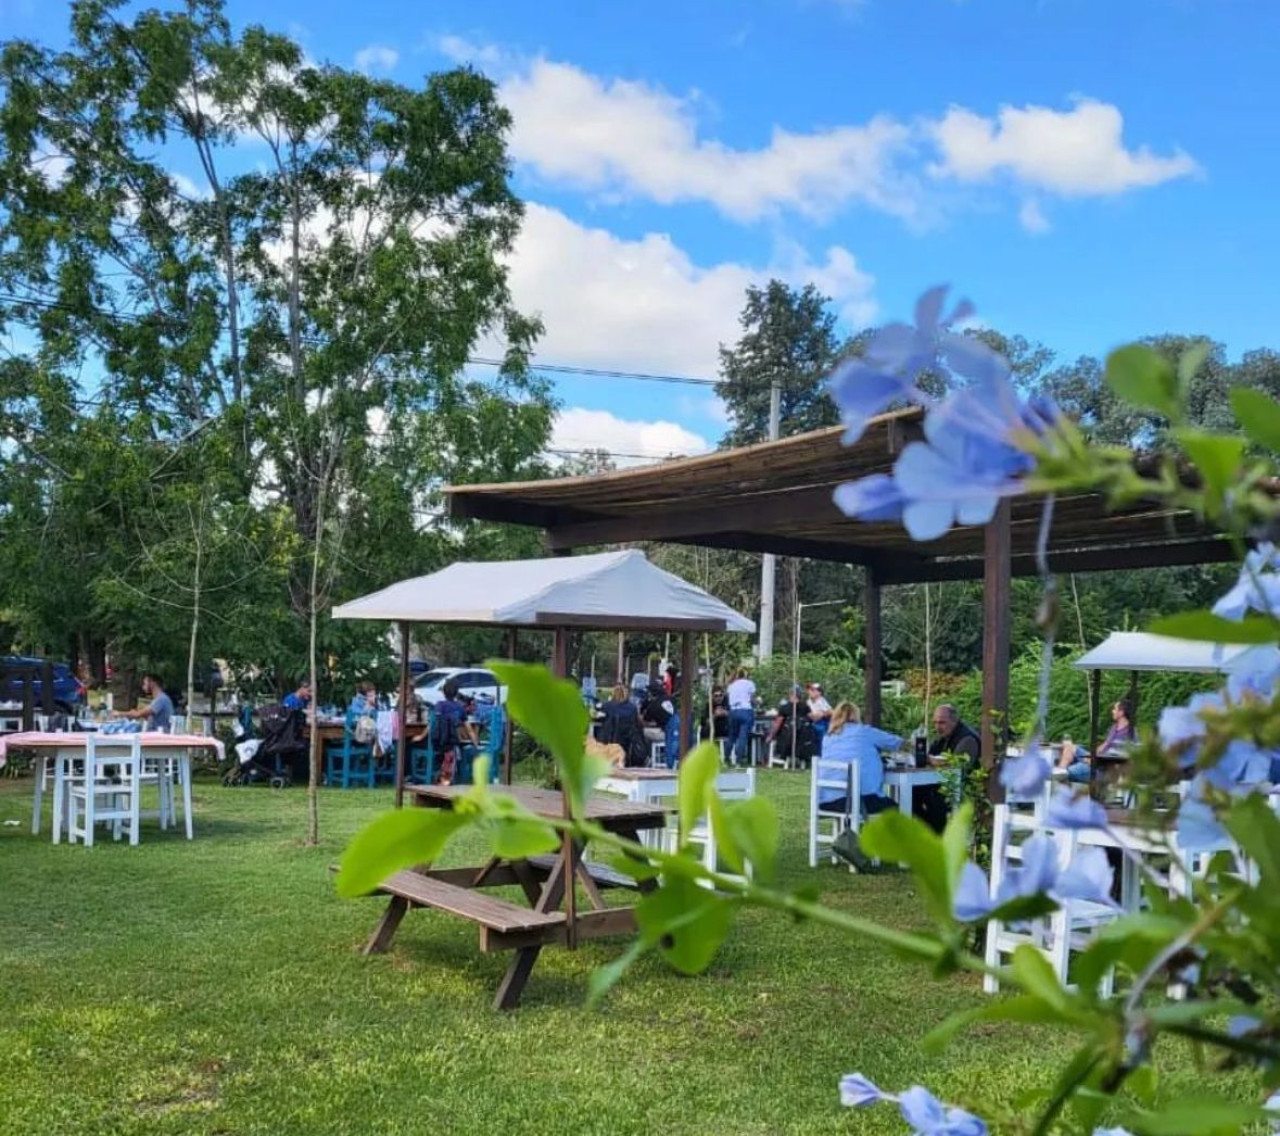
<point>951,736</point>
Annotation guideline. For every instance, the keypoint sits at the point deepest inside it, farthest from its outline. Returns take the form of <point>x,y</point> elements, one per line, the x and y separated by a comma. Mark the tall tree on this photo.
<point>789,338</point>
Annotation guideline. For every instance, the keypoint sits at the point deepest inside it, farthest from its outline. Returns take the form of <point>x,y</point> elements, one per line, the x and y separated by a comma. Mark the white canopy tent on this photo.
<point>609,591</point>
<point>1142,651</point>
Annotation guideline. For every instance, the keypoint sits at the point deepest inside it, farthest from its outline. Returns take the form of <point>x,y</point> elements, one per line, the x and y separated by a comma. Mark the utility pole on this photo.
<point>768,567</point>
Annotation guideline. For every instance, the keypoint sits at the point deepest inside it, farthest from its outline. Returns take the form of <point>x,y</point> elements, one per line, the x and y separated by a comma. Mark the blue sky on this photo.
<point>1087,171</point>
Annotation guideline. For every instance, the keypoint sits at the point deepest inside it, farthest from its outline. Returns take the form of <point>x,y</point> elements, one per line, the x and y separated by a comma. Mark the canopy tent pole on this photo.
<point>507,725</point>
<point>686,693</point>
<point>622,658</point>
<point>995,639</point>
<point>402,743</point>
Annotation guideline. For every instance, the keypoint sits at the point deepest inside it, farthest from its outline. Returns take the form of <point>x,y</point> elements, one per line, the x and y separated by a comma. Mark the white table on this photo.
<point>902,783</point>
<point>57,752</point>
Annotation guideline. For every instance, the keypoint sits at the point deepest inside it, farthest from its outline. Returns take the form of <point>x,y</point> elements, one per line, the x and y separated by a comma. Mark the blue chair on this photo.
<point>349,761</point>
<point>422,756</point>
<point>492,749</point>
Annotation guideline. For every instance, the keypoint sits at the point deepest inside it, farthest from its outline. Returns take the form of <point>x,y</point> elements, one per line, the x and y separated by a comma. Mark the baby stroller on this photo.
<point>271,758</point>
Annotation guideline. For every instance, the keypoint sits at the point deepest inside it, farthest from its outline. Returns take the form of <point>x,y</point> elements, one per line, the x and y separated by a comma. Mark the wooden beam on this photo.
<point>687,678</point>
<point>995,636</point>
<point>402,746</point>
<point>1128,557</point>
<point>874,647</point>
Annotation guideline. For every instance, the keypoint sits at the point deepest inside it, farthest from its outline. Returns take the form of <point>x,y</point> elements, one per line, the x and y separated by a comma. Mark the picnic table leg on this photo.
<point>387,925</point>
<point>513,982</point>
<point>41,766</point>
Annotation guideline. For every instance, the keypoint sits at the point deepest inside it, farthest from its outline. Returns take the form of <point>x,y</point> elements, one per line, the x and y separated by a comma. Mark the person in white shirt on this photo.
<point>819,711</point>
<point>742,715</point>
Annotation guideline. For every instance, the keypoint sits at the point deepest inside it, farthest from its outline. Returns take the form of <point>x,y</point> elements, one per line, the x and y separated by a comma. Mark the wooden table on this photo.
<point>549,884</point>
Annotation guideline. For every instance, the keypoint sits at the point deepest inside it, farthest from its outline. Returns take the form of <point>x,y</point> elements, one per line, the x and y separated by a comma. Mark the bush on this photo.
<point>839,673</point>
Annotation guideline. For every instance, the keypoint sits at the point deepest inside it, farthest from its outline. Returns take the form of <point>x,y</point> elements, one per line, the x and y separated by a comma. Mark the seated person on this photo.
<point>660,722</point>
<point>792,731</point>
<point>819,711</point>
<point>621,727</point>
<point>1122,734</point>
<point>159,711</point>
<point>365,700</point>
<point>951,736</point>
<point>849,741</point>
<point>718,712</point>
<point>300,699</point>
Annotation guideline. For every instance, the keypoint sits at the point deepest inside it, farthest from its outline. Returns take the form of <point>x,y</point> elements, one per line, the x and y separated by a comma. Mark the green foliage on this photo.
<point>1258,415</point>
<point>841,678</point>
<point>1210,628</point>
<point>1145,378</point>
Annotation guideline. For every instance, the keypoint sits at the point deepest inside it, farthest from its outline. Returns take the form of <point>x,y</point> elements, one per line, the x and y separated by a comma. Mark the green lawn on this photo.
<point>215,987</point>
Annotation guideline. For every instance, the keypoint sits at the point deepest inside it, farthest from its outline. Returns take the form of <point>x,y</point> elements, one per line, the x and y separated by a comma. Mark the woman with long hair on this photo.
<point>849,740</point>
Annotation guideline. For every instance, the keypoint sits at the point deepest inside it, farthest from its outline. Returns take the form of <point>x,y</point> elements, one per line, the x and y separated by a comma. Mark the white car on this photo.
<point>473,682</point>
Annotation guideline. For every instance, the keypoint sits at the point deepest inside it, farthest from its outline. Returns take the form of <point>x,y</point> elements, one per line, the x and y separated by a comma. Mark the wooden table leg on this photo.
<point>513,982</point>
<point>387,925</point>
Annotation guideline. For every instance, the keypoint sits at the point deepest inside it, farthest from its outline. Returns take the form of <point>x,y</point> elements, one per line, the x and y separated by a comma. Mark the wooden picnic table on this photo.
<point>549,883</point>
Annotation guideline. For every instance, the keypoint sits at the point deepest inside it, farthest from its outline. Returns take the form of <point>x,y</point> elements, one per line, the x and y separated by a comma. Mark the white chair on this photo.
<point>657,755</point>
<point>838,777</point>
<point>773,760</point>
<point>177,724</point>
<point>731,785</point>
<point>1070,928</point>
<point>96,797</point>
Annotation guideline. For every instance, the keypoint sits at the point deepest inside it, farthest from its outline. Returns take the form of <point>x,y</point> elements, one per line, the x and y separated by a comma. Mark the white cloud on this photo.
<point>628,138</point>
<point>462,50</point>
<point>376,57</point>
<point>577,428</point>
<point>624,138</point>
<point>1031,217</point>
<point>643,304</point>
<point>1076,153</point>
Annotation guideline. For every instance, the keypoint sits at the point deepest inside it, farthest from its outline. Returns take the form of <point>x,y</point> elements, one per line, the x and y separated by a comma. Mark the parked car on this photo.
<point>68,691</point>
<point>473,682</point>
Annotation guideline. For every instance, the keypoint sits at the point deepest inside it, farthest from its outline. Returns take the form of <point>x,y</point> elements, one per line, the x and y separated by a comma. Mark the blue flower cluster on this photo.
<point>927,1115</point>
<point>973,453</point>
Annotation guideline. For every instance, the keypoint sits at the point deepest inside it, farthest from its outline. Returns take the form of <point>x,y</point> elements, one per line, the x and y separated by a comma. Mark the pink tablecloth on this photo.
<point>37,739</point>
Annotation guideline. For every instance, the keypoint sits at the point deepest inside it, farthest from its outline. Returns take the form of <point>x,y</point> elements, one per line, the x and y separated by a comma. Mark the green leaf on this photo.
<point>1190,362</point>
<point>1259,416</point>
<point>1210,628</point>
<point>1218,457</point>
<point>1194,1116</point>
<point>1035,975</point>
<point>686,922</point>
<point>955,842</point>
<point>638,870</point>
<point>751,826</point>
<point>1256,829</point>
<point>605,978</point>
<point>697,776</point>
<point>1146,379</point>
<point>1024,1008</point>
<point>1024,907</point>
<point>551,709</point>
<point>1143,1083</point>
<point>905,839</point>
<point>727,847</point>
<point>520,839</point>
<point>396,840</point>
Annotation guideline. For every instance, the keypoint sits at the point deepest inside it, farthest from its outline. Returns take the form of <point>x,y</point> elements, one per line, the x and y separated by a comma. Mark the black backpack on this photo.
<point>444,732</point>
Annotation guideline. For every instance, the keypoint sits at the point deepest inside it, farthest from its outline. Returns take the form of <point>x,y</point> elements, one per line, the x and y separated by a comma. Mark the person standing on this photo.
<point>819,712</point>
<point>741,696</point>
<point>158,713</point>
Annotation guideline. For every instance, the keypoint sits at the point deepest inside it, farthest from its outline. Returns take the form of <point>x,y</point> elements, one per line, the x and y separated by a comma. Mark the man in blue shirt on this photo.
<point>300,699</point>
<point>159,712</point>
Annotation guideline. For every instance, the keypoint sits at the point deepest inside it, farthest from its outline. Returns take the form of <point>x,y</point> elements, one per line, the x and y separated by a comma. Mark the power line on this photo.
<point>473,360</point>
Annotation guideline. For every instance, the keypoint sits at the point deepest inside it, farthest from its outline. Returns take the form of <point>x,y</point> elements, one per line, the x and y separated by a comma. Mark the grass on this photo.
<point>214,987</point>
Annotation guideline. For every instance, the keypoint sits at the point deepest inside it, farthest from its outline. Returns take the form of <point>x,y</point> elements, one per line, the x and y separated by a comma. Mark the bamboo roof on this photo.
<point>776,497</point>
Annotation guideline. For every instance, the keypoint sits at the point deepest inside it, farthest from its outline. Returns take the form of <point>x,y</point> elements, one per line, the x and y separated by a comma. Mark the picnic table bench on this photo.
<point>549,883</point>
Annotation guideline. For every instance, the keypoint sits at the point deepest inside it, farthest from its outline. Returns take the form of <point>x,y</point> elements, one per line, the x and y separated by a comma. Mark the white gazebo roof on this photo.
<point>1142,651</point>
<point>608,590</point>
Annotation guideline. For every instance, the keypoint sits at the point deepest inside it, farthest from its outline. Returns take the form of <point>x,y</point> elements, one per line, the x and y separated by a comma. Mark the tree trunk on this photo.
<point>313,765</point>
<point>195,620</point>
<point>928,656</point>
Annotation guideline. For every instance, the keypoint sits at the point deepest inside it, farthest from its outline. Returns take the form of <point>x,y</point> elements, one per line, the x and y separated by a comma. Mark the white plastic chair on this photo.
<point>96,797</point>
<point>843,778</point>
<point>731,785</point>
<point>1070,928</point>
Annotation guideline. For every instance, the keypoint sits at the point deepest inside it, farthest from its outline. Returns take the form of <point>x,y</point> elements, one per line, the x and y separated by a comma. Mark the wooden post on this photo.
<point>686,692</point>
<point>513,638</point>
<point>874,645</point>
<point>560,667</point>
<point>996,577</point>
<point>402,745</point>
<point>1095,696</point>
<point>622,657</point>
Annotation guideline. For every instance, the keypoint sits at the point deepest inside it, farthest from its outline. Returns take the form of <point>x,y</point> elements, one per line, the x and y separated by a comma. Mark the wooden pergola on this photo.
<point>777,497</point>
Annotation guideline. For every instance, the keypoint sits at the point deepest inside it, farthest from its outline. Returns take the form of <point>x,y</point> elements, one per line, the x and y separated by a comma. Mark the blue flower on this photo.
<point>1255,674</point>
<point>972,900</point>
<point>1241,763</point>
<point>1036,875</point>
<point>1087,878</point>
<point>856,1091</point>
<point>874,498</point>
<point>1198,828</point>
<point>930,1117</point>
<point>1112,1132</point>
<point>1256,589</point>
<point>1071,810</point>
<point>1182,728</point>
<point>862,391</point>
<point>1025,776</point>
<point>1242,1024</point>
